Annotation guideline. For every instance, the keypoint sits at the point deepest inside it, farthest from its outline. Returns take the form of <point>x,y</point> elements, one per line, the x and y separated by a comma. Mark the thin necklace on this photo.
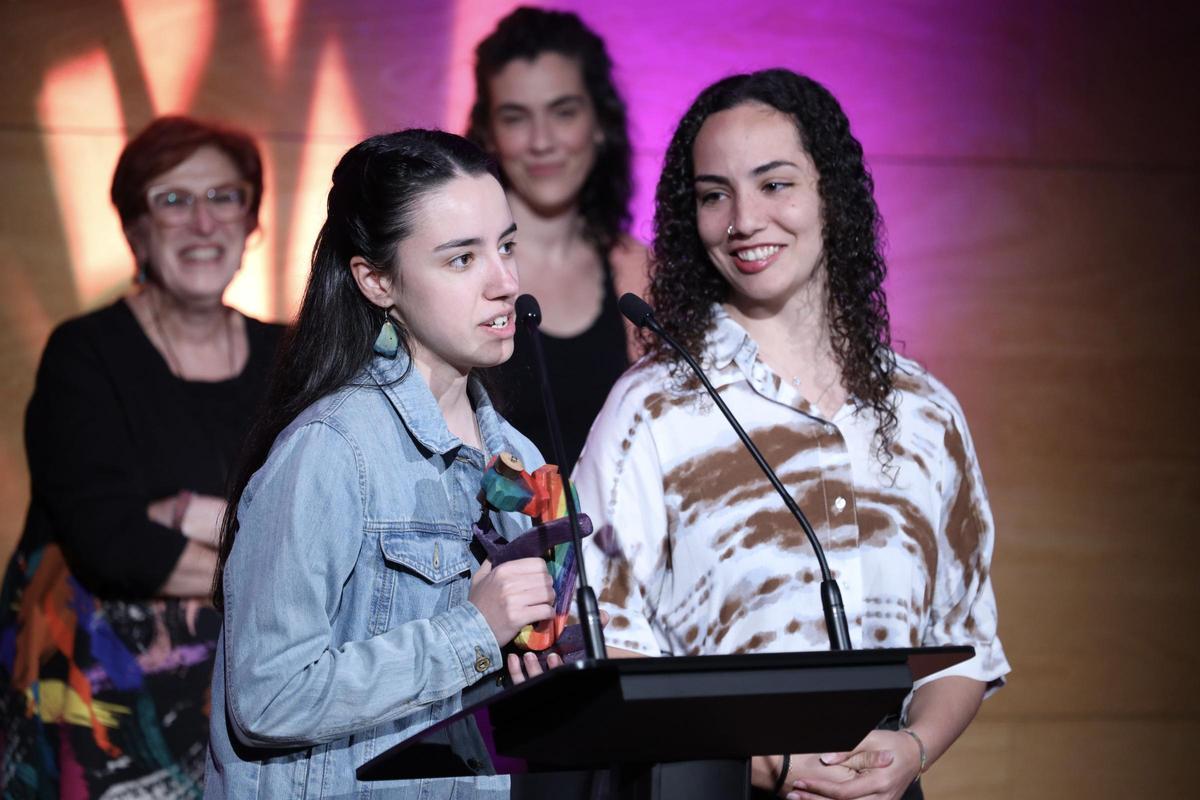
<point>479,432</point>
<point>173,362</point>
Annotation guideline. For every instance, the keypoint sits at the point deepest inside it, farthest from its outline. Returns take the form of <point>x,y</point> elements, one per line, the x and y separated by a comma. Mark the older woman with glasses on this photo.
<point>134,427</point>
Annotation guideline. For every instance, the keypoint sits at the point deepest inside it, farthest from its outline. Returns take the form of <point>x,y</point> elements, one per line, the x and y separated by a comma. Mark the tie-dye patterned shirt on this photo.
<point>696,554</point>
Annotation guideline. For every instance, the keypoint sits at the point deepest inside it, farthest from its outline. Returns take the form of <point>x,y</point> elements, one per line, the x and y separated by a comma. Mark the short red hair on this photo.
<point>165,144</point>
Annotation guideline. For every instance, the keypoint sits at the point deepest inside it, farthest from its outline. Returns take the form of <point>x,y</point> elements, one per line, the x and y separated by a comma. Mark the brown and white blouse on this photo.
<point>694,552</point>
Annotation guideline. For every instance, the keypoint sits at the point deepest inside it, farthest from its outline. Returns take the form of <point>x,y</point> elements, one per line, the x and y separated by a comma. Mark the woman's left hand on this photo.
<point>520,668</point>
<point>880,783</point>
<point>527,666</point>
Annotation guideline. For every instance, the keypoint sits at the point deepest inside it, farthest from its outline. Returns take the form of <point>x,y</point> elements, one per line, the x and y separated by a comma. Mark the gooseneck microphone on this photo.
<point>638,311</point>
<point>529,315</point>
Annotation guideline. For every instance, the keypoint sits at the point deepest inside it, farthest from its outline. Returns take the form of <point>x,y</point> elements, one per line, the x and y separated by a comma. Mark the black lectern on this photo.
<point>680,726</point>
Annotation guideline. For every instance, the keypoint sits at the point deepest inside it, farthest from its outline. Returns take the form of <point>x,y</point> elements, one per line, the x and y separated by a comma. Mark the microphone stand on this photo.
<point>529,315</point>
<point>637,311</point>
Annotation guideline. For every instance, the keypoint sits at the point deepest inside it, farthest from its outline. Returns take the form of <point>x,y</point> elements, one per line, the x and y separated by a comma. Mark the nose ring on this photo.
<point>729,230</point>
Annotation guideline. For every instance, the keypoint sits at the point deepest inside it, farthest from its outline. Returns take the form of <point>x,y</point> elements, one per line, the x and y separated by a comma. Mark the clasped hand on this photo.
<point>882,767</point>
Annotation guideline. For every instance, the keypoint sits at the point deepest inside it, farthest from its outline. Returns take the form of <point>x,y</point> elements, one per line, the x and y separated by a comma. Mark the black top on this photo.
<point>110,429</point>
<point>582,369</point>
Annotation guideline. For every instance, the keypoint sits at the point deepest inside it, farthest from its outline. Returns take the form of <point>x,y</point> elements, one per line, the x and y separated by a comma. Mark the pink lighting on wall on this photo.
<point>473,19</point>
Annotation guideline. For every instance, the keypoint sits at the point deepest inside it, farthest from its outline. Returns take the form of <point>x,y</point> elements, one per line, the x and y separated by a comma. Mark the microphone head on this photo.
<point>635,309</point>
<point>528,311</point>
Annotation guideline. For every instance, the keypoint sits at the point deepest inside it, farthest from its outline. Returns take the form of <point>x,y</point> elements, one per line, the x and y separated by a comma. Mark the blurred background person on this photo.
<point>132,432</point>
<point>547,110</point>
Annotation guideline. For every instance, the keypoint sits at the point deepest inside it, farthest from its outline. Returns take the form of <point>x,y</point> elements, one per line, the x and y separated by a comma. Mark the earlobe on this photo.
<point>140,257</point>
<point>375,284</point>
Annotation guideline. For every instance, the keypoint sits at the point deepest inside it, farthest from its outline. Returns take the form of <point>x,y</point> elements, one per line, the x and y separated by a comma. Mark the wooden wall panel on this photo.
<point>1037,168</point>
<point>979,766</point>
<point>1117,83</point>
<point>1077,759</point>
<point>1057,304</point>
<point>36,292</point>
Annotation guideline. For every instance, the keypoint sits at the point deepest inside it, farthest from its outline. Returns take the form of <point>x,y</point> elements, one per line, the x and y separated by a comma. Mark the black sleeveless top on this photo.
<point>581,369</point>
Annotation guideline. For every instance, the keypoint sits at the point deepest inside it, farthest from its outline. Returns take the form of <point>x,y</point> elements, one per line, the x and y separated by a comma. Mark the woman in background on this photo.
<point>547,109</point>
<point>768,268</point>
<point>132,434</point>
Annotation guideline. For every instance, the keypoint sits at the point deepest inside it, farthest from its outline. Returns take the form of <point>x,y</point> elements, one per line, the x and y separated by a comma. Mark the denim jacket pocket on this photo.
<point>436,553</point>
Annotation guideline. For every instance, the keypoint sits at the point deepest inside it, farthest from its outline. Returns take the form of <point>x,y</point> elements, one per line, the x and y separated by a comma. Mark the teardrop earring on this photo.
<point>387,343</point>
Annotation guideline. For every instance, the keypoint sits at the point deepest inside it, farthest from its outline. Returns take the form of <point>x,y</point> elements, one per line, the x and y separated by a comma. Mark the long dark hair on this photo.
<point>527,33</point>
<point>685,284</point>
<point>377,187</point>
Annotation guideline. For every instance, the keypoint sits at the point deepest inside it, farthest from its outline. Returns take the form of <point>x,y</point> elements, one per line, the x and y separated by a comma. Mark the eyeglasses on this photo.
<point>174,206</point>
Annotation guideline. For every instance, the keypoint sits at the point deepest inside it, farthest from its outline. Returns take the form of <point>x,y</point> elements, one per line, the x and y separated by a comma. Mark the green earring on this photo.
<point>387,343</point>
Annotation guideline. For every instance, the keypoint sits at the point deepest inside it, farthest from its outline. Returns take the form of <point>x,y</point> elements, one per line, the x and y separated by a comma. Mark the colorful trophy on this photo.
<point>506,486</point>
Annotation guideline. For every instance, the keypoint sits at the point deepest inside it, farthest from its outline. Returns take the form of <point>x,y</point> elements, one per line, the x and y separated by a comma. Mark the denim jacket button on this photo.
<point>474,763</point>
<point>482,662</point>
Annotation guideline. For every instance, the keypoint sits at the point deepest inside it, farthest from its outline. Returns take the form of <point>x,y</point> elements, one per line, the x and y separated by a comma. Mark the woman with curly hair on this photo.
<point>768,266</point>
<point>547,109</point>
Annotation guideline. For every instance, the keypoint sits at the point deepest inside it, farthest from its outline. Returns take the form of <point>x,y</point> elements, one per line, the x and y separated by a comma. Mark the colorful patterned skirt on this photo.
<point>100,698</point>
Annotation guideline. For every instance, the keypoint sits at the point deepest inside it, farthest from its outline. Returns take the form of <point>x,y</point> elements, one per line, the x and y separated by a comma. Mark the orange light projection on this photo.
<point>79,110</point>
<point>77,93</point>
<point>278,23</point>
<point>333,121</point>
<point>253,285</point>
<point>174,41</point>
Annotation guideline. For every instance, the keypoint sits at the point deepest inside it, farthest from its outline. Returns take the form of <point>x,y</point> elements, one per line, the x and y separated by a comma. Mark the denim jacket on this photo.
<point>347,627</point>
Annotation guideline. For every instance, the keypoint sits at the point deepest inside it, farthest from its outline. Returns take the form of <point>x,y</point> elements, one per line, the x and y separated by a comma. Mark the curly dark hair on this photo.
<point>527,33</point>
<point>686,285</point>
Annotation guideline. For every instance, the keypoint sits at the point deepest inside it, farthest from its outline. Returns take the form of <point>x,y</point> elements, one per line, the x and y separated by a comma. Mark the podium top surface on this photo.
<point>571,715</point>
<point>922,661</point>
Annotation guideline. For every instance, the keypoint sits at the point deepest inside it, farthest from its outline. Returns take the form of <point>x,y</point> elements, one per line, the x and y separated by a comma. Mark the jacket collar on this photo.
<point>408,393</point>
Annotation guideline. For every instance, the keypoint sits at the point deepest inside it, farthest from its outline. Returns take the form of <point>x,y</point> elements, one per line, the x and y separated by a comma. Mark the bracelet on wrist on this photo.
<point>784,769</point>
<point>920,747</point>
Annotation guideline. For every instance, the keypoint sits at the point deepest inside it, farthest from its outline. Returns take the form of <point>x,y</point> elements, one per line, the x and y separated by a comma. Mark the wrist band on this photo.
<point>920,745</point>
<point>783,773</point>
<point>182,501</point>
